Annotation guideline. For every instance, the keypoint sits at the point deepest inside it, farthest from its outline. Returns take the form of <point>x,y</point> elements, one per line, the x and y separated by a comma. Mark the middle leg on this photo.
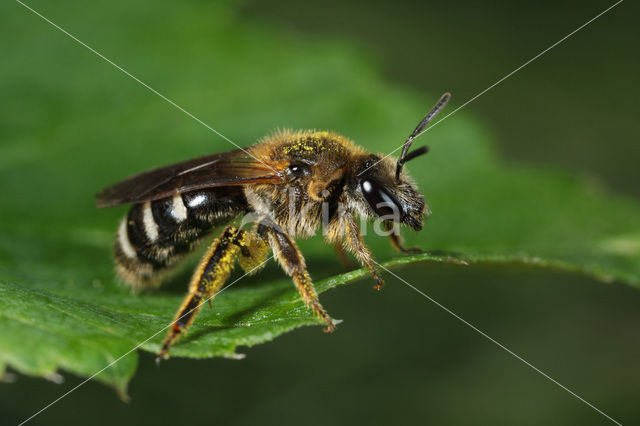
<point>290,258</point>
<point>342,256</point>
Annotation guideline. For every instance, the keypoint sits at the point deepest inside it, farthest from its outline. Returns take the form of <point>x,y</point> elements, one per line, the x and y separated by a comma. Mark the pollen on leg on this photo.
<point>211,273</point>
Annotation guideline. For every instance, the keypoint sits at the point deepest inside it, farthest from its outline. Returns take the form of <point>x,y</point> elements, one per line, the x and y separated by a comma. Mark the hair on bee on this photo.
<point>286,186</point>
<point>406,156</point>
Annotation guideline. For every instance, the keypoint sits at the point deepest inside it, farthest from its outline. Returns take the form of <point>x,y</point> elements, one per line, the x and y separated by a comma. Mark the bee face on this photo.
<point>378,194</point>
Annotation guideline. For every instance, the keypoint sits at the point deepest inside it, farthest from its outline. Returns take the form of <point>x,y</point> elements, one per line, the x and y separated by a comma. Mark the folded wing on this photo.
<point>230,168</point>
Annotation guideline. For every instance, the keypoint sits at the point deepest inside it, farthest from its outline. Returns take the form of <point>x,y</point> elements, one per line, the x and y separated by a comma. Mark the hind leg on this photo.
<point>211,273</point>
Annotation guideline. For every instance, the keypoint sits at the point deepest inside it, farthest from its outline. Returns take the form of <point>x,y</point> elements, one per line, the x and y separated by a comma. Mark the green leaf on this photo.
<point>73,124</point>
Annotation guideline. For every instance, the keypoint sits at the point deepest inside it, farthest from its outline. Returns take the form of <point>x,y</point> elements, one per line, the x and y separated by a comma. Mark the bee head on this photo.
<point>380,194</point>
<point>388,193</point>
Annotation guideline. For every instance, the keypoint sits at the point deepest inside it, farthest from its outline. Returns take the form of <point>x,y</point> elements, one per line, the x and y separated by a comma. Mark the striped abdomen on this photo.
<point>156,234</point>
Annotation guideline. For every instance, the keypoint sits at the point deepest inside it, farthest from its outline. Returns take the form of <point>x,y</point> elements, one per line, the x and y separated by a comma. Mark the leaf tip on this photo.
<point>235,355</point>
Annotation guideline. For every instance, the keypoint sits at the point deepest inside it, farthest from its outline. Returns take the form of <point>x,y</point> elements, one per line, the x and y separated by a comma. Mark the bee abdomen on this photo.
<point>155,235</point>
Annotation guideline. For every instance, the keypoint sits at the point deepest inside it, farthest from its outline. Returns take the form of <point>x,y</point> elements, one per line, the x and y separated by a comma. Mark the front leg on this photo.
<point>290,258</point>
<point>396,239</point>
<point>353,242</point>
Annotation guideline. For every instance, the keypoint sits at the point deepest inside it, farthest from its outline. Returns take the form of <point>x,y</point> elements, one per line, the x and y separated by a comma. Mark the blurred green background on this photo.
<point>397,359</point>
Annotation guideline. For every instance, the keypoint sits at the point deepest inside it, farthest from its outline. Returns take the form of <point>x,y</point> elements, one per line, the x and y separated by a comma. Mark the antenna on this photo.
<point>418,130</point>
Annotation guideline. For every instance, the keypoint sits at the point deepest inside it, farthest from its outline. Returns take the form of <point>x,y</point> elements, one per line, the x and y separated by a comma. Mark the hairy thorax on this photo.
<point>289,207</point>
<point>314,165</point>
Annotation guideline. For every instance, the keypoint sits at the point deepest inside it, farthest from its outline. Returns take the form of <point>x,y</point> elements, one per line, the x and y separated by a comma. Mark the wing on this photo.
<point>224,169</point>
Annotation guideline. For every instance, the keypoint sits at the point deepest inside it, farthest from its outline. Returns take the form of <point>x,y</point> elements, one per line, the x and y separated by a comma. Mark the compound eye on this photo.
<point>381,202</point>
<point>298,170</point>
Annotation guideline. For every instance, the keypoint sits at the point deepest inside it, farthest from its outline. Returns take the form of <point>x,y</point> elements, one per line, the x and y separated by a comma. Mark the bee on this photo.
<point>290,183</point>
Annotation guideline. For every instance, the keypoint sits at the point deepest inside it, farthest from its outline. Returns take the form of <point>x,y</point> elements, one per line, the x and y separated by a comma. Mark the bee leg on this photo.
<point>354,243</point>
<point>290,258</point>
<point>212,271</point>
<point>397,241</point>
<point>342,256</point>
